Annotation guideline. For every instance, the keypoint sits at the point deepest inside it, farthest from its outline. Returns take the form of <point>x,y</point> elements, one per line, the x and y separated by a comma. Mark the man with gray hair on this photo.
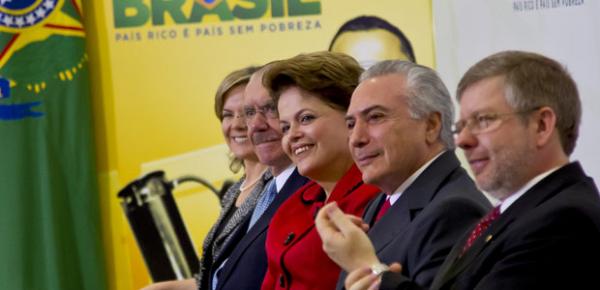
<point>400,120</point>
<point>519,123</point>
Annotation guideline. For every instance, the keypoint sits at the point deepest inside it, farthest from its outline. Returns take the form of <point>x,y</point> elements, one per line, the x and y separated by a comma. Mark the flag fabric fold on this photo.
<point>50,230</point>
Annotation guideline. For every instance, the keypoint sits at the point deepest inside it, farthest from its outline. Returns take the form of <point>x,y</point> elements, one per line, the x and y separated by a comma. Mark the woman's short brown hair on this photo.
<point>330,76</point>
<point>232,80</point>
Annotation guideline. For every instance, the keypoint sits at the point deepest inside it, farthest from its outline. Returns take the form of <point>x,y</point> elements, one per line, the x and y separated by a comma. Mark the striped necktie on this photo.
<point>263,203</point>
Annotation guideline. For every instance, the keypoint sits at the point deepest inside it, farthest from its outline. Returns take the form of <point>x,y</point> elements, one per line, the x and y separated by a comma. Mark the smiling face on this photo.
<point>233,125</point>
<point>386,143</point>
<point>501,158</point>
<point>263,127</point>
<point>314,136</point>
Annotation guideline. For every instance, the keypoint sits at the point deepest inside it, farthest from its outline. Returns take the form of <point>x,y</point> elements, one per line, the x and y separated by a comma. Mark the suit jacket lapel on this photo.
<point>451,265</point>
<point>242,211</point>
<point>542,191</point>
<point>413,200</point>
<point>372,209</point>
<point>294,182</point>
<point>228,202</point>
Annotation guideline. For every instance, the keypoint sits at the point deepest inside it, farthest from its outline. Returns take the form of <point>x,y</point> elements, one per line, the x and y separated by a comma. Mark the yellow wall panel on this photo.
<point>153,97</point>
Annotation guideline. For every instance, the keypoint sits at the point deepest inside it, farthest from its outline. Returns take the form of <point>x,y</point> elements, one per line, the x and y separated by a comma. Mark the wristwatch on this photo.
<point>379,268</point>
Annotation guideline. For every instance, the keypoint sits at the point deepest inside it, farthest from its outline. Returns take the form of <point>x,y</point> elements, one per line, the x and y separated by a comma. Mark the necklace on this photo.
<point>245,186</point>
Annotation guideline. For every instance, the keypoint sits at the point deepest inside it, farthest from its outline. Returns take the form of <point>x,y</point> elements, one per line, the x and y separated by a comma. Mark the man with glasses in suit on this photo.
<point>243,262</point>
<point>519,122</point>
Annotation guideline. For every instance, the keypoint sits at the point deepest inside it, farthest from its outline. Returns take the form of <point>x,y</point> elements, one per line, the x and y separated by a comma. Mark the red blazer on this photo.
<point>294,249</point>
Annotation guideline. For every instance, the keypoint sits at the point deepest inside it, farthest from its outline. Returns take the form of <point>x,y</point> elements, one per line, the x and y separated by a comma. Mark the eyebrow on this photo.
<point>294,116</point>
<point>480,111</point>
<point>259,105</point>
<point>270,102</point>
<point>302,111</point>
<point>367,110</point>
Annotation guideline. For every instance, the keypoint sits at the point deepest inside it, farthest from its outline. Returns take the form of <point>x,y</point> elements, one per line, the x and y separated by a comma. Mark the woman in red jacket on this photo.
<point>312,92</point>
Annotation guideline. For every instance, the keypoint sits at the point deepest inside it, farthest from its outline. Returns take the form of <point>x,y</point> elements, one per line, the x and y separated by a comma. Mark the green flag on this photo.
<point>50,232</point>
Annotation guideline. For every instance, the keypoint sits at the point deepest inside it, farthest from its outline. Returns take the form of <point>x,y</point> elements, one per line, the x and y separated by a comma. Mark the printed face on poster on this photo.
<point>167,58</point>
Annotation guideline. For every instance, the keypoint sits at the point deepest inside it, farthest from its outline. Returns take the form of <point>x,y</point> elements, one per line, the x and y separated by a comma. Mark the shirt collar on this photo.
<point>282,178</point>
<point>512,198</point>
<point>398,192</point>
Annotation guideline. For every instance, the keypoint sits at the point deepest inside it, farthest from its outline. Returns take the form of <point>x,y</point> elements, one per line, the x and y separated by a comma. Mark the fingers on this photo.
<point>376,284</point>
<point>324,225</point>
<point>343,241</point>
<point>395,267</point>
<point>362,279</point>
<point>358,222</point>
<point>355,276</point>
<point>338,218</point>
<point>187,284</point>
<point>330,220</point>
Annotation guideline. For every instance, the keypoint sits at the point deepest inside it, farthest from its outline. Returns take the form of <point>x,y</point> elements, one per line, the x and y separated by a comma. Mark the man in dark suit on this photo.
<point>399,120</point>
<point>520,115</point>
<point>243,262</point>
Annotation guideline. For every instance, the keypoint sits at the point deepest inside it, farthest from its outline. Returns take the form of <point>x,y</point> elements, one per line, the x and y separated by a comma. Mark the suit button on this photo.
<point>281,281</point>
<point>289,239</point>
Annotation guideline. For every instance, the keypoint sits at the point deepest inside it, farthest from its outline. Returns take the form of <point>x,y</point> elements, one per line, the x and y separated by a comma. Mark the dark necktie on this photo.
<point>384,207</point>
<point>480,228</point>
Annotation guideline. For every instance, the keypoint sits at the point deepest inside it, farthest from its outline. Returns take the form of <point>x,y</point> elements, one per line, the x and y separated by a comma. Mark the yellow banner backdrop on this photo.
<point>156,65</point>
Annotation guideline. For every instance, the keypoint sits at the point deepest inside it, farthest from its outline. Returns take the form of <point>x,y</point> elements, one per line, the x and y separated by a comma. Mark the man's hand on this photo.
<point>363,279</point>
<point>344,238</point>
<point>187,284</point>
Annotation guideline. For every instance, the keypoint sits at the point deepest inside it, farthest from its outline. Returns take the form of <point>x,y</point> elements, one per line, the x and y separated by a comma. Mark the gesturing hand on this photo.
<point>344,238</point>
<point>364,279</point>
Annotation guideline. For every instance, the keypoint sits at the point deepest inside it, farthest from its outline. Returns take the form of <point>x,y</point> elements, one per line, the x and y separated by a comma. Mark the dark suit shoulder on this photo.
<point>458,188</point>
<point>246,263</point>
<point>555,203</point>
<point>454,207</point>
<point>558,242</point>
<point>436,230</point>
<point>552,230</point>
<point>576,207</point>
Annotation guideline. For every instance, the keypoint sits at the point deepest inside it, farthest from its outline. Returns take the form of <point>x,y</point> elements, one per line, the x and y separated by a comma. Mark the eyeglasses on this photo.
<point>268,110</point>
<point>230,115</point>
<point>485,122</point>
